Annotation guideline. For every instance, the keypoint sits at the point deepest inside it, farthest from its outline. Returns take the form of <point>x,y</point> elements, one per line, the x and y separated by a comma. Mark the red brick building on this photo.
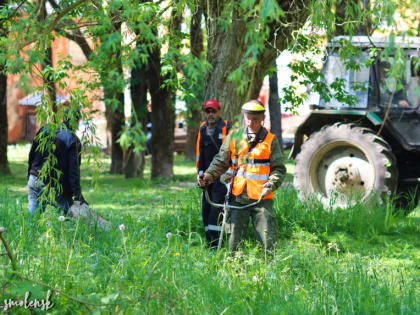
<point>21,115</point>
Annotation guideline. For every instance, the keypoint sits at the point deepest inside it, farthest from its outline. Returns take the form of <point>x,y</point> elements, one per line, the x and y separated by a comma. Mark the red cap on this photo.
<point>212,103</point>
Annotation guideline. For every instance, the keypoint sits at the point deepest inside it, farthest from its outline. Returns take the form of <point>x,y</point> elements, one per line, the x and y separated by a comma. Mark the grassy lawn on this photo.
<point>362,260</point>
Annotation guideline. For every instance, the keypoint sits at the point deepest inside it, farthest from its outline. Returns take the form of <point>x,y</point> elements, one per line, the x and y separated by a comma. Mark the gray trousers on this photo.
<point>263,220</point>
<point>35,187</point>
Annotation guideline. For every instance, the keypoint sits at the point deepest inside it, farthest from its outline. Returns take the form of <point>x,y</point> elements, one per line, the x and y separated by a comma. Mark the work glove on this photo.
<point>204,179</point>
<point>267,189</point>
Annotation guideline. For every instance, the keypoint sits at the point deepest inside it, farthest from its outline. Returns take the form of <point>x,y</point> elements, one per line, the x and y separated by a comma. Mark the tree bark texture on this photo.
<point>134,162</point>
<point>196,33</point>
<point>163,108</point>
<point>196,44</point>
<point>226,52</point>
<point>114,93</point>
<point>274,107</point>
<point>192,132</point>
<point>163,121</point>
<point>49,83</point>
<point>4,164</point>
<point>115,123</point>
<point>115,114</point>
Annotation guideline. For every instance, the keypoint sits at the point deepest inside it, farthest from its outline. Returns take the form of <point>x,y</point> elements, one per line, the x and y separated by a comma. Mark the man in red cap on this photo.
<point>210,138</point>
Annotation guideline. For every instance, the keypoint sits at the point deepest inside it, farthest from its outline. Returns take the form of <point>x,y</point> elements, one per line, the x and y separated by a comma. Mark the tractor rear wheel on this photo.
<point>343,162</point>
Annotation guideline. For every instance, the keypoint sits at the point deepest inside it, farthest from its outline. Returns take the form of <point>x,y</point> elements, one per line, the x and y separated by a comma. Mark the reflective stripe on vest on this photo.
<point>253,176</point>
<point>212,227</point>
<point>197,146</point>
<point>255,172</point>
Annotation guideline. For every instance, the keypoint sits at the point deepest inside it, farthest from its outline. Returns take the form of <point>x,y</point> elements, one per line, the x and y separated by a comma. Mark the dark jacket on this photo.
<point>210,147</point>
<point>67,152</point>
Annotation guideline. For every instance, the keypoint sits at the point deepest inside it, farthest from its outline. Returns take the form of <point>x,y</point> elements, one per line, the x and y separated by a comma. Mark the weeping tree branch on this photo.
<point>76,36</point>
<point>54,23</point>
<point>13,14</point>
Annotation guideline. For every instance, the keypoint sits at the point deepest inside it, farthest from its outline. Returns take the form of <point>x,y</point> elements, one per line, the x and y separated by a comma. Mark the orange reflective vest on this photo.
<point>197,147</point>
<point>253,167</point>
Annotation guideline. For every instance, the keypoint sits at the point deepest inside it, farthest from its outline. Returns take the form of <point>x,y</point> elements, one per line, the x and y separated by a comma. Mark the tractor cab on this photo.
<point>375,87</point>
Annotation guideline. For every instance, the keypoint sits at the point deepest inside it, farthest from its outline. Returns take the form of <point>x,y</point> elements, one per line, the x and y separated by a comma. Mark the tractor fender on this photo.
<point>319,118</point>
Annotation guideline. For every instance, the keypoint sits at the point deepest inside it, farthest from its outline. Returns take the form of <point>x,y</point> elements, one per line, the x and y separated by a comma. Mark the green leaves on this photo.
<point>133,136</point>
<point>110,298</point>
<point>192,82</point>
<point>240,78</point>
<point>22,288</point>
<point>272,11</point>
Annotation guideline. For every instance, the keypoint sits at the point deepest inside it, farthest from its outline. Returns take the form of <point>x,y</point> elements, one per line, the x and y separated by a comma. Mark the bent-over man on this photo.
<point>66,178</point>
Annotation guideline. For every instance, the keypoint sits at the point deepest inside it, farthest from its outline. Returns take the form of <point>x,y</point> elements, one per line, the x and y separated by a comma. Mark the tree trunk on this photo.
<point>114,114</point>
<point>196,44</point>
<point>163,110</point>
<point>114,101</point>
<point>115,123</point>
<point>134,163</point>
<point>163,121</point>
<point>226,52</point>
<point>49,83</point>
<point>192,132</point>
<point>4,165</point>
<point>274,107</point>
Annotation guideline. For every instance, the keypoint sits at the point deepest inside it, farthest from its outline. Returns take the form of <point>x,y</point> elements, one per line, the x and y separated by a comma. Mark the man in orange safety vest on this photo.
<point>257,164</point>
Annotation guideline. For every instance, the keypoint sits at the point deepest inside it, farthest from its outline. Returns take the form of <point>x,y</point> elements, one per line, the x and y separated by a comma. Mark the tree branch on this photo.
<point>6,246</point>
<point>54,23</point>
<point>14,12</point>
<point>76,36</point>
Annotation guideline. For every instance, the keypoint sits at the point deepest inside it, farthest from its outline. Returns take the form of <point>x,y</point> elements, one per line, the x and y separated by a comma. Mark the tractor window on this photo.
<point>356,82</point>
<point>404,93</point>
<point>413,88</point>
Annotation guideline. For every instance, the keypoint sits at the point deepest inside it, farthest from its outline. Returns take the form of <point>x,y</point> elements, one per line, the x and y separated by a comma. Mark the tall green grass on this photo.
<point>362,260</point>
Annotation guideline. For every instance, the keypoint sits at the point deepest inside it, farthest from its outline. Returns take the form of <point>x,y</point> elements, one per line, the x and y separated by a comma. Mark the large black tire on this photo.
<point>343,162</point>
